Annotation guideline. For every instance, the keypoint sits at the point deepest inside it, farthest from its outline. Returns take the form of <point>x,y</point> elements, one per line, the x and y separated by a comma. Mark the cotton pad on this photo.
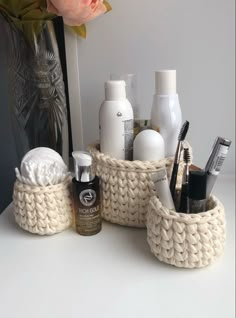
<point>42,167</point>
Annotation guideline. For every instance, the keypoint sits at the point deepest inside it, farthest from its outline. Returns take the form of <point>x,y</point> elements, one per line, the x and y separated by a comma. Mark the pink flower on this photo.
<point>76,12</point>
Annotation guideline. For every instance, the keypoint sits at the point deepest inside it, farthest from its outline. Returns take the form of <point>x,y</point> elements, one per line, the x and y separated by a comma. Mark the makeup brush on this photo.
<point>184,199</point>
<point>181,137</point>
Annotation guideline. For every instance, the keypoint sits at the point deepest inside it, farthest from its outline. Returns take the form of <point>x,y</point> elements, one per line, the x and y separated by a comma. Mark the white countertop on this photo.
<point>110,275</point>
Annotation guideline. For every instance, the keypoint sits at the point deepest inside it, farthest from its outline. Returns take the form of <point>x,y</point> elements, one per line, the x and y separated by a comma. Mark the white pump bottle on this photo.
<point>166,115</point>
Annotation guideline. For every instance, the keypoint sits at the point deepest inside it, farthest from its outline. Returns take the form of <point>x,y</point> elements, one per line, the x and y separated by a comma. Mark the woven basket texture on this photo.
<point>43,210</point>
<point>127,187</point>
<point>186,240</point>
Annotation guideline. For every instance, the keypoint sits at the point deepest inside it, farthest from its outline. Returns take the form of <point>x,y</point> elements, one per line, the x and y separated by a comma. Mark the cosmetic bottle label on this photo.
<point>86,206</point>
<point>128,138</point>
<point>162,189</point>
<point>88,197</point>
<point>197,206</point>
<point>88,220</point>
<point>218,160</point>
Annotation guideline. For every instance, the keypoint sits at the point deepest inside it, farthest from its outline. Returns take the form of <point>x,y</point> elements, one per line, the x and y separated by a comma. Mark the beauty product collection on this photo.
<point>124,137</point>
<point>163,136</point>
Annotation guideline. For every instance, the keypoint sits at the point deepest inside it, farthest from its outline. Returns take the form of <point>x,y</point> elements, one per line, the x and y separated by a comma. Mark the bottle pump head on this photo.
<point>82,164</point>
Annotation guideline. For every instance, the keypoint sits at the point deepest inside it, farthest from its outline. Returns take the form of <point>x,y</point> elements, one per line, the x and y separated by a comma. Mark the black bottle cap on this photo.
<point>197,185</point>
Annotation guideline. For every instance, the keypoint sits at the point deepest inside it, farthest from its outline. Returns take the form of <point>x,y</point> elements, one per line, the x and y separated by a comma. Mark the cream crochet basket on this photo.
<point>127,186</point>
<point>43,210</point>
<point>186,240</point>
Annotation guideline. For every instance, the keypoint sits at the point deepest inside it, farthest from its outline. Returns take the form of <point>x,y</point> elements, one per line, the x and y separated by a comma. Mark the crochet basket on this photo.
<point>127,186</point>
<point>43,210</point>
<point>186,240</point>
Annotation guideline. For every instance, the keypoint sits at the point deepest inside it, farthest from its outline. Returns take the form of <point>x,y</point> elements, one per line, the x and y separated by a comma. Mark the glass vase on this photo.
<point>36,94</point>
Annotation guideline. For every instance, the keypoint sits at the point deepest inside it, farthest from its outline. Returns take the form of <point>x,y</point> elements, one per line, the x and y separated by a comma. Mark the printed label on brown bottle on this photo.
<point>87,207</point>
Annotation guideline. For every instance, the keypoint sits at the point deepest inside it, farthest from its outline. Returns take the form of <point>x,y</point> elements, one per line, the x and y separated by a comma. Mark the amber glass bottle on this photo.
<point>86,196</point>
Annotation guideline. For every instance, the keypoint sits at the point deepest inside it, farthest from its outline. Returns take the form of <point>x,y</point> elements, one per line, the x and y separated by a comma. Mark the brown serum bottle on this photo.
<point>86,196</point>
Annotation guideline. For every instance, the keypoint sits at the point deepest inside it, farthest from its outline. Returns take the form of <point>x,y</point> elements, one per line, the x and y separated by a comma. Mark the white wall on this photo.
<point>195,37</point>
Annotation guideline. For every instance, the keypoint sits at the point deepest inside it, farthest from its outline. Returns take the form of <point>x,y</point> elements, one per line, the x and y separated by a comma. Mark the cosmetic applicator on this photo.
<point>184,199</point>
<point>181,137</point>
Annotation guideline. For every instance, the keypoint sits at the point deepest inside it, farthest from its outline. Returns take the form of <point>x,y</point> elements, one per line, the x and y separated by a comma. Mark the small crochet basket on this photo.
<point>186,240</point>
<point>43,210</point>
<point>127,186</point>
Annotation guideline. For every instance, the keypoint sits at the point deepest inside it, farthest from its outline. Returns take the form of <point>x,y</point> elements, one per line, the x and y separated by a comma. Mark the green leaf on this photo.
<point>37,14</point>
<point>5,7</point>
<point>28,16</point>
<point>80,30</point>
<point>16,7</point>
<point>43,4</point>
<point>29,9</point>
<point>107,5</point>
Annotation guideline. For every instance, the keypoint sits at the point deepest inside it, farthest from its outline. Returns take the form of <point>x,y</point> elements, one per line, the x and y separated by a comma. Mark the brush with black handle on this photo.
<point>184,198</point>
<point>182,135</point>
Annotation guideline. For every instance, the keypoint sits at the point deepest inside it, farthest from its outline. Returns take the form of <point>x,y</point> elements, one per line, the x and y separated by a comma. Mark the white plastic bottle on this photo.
<point>166,116</point>
<point>116,122</point>
<point>148,146</point>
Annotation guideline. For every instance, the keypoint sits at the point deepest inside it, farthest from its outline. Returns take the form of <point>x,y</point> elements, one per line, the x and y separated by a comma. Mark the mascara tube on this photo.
<point>197,191</point>
<point>184,198</point>
<point>215,161</point>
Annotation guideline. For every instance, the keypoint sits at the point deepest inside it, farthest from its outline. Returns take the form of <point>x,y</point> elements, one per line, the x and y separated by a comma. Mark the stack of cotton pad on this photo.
<point>42,167</point>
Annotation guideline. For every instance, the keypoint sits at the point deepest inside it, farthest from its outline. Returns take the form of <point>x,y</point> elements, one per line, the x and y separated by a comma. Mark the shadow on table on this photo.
<point>135,240</point>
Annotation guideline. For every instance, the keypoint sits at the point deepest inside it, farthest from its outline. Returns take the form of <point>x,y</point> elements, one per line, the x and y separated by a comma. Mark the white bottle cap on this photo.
<point>115,90</point>
<point>166,82</point>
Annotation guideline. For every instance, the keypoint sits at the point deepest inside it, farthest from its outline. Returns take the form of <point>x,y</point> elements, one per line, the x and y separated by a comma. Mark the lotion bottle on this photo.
<point>86,196</point>
<point>166,116</point>
<point>116,122</point>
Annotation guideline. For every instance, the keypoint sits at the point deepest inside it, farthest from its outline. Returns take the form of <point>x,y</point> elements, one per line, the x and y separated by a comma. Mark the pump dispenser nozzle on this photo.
<point>82,164</point>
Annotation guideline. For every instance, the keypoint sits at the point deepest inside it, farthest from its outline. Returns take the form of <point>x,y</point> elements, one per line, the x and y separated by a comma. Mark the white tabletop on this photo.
<point>110,275</point>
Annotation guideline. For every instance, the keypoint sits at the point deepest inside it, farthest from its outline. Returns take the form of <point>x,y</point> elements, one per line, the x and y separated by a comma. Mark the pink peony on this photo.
<point>76,12</point>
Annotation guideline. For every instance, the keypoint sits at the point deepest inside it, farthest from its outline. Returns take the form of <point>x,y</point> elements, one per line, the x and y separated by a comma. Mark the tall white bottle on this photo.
<point>166,115</point>
<point>116,122</point>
